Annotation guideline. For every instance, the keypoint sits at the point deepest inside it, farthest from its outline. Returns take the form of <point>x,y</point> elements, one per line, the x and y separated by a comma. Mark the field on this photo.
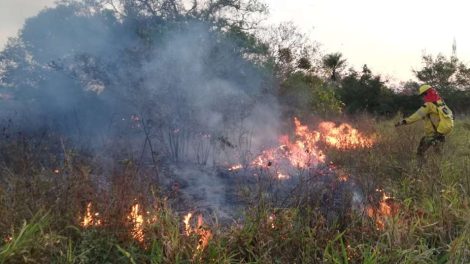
<point>55,210</point>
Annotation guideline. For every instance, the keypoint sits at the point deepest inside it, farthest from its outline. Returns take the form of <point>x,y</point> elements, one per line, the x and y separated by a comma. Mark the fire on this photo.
<point>8,239</point>
<point>152,219</point>
<point>90,218</point>
<point>282,176</point>
<point>204,234</point>
<point>305,152</point>
<point>187,226</point>
<point>343,136</point>
<point>387,208</point>
<point>384,208</point>
<point>300,154</point>
<point>271,219</point>
<point>137,220</point>
<point>235,167</point>
<point>265,159</point>
<point>135,217</point>
<point>343,178</point>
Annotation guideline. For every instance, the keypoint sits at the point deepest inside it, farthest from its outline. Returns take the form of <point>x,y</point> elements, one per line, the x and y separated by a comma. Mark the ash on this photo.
<point>222,195</point>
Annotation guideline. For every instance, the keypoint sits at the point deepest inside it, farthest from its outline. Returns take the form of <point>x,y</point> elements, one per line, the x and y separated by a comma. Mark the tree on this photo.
<point>86,67</point>
<point>450,76</point>
<point>444,73</point>
<point>244,14</point>
<point>438,71</point>
<point>304,94</point>
<point>290,49</point>
<point>304,63</point>
<point>333,63</point>
<point>365,92</point>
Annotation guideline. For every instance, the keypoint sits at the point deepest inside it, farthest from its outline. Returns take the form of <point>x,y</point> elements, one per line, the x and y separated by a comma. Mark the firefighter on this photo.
<point>438,121</point>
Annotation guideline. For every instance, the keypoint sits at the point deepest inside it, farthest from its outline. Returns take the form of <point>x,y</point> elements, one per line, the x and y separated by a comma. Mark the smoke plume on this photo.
<point>181,93</point>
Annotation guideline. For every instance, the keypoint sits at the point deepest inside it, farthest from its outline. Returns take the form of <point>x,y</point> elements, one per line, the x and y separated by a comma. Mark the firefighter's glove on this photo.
<point>400,123</point>
<point>440,137</point>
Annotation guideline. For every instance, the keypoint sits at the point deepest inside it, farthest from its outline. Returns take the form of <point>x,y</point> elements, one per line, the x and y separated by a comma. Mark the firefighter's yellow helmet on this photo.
<point>423,88</point>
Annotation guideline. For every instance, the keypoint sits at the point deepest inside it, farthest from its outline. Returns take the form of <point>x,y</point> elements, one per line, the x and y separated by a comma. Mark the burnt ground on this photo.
<point>221,195</point>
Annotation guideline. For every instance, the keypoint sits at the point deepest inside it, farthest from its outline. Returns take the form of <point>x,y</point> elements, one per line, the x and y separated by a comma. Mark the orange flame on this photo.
<point>187,226</point>
<point>235,167</point>
<point>343,178</point>
<point>305,151</point>
<point>8,239</point>
<point>386,209</point>
<point>90,218</point>
<point>343,136</point>
<point>265,159</point>
<point>137,220</point>
<point>302,153</point>
<point>204,234</point>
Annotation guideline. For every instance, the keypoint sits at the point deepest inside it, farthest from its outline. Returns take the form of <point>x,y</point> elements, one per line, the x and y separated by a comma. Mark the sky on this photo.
<point>13,14</point>
<point>389,36</point>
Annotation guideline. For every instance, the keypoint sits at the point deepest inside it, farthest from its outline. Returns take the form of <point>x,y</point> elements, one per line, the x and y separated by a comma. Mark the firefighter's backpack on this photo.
<point>446,123</point>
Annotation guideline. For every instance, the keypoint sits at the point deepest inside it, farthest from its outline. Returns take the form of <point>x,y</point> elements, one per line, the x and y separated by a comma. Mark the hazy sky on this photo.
<point>388,36</point>
<point>14,12</point>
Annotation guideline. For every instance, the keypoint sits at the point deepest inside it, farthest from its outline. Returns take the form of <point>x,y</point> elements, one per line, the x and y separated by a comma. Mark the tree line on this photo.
<point>292,68</point>
<point>352,91</point>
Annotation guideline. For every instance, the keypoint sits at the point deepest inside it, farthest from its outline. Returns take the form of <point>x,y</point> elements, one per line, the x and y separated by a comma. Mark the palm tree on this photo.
<point>333,62</point>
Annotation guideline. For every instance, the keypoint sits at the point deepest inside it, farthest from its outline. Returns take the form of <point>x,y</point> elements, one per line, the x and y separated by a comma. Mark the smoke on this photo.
<point>217,91</point>
<point>185,88</point>
<point>83,70</point>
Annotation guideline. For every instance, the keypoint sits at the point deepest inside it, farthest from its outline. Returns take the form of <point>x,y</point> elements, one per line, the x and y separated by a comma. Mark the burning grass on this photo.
<point>409,215</point>
<point>306,150</point>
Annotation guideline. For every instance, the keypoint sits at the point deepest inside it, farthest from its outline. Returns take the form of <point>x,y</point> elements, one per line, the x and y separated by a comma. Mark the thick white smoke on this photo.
<point>120,85</point>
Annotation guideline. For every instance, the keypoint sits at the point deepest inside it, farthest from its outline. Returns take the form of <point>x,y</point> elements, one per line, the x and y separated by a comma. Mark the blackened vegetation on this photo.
<point>318,188</point>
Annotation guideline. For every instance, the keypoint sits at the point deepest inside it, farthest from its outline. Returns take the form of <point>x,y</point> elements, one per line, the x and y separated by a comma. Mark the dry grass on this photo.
<point>432,224</point>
